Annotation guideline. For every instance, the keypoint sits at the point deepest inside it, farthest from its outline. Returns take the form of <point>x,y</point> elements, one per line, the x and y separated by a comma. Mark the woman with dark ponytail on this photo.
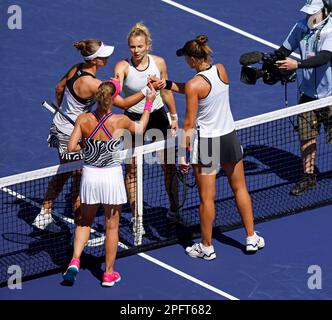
<point>209,133</point>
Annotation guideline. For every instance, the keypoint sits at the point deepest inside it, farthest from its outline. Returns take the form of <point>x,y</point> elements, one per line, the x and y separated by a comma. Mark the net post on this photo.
<point>139,200</point>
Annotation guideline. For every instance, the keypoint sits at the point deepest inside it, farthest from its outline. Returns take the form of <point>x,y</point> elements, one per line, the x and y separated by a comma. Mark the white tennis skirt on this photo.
<point>102,185</point>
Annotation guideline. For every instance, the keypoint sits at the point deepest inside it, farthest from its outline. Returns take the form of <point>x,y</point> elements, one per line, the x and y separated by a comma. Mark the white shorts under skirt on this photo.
<point>102,185</point>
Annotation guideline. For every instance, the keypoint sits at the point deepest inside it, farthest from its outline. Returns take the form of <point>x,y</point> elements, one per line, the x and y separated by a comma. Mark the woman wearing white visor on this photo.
<point>75,94</point>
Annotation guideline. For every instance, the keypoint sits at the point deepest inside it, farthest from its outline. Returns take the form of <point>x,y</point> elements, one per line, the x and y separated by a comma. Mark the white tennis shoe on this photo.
<point>198,250</point>
<point>45,221</point>
<point>254,243</point>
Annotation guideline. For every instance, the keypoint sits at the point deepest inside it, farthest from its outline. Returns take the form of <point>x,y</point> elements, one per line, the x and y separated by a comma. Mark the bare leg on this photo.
<point>237,181</point>
<point>83,227</point>
<point>112,218</point>
<point>55,186</point>
<point>130,179</point>
<point>169,172</point>
<point>207,189</point>
<point>76,203</point>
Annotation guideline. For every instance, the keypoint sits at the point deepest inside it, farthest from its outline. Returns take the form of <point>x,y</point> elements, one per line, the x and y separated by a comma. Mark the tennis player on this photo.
<point>210,132</point>
<point>75,93</point>
<point>102,177</point>
<point>133,73</point>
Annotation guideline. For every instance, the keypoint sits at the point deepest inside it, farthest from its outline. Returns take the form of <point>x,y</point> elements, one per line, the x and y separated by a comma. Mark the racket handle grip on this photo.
<point>48,107</point>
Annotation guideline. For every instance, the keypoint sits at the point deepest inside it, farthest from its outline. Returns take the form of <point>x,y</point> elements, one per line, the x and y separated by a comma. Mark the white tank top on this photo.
<point>72,105</point>
<point>137,80</point>
<point>214,117</point>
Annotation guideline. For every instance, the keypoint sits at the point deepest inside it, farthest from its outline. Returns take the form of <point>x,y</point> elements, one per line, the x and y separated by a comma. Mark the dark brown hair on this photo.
<point>87,47</point>
<point>197,48</point>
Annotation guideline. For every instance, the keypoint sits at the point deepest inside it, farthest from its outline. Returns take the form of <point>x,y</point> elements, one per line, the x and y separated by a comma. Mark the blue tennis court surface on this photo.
<point>280,271</point>
<point>35,58</point>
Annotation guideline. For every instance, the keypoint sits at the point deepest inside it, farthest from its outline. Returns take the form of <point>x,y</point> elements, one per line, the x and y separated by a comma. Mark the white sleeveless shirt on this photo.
<point>72,105</point>
<point>214,117</point>
<point>137,80</point>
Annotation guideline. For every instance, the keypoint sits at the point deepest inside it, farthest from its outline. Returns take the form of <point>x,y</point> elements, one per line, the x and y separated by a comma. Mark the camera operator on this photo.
<point>313,37</point>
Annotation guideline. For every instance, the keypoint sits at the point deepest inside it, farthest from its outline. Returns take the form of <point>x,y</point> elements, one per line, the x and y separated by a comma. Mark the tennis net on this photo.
<point>272,160</point>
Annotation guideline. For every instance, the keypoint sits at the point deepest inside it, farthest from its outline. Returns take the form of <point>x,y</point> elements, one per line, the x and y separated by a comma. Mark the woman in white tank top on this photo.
<point>209,117</point>
<point>133,75</point>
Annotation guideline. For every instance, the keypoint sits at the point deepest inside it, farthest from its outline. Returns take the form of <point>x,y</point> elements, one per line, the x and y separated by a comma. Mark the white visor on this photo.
<point>312,7</point>
<point>102,52</point>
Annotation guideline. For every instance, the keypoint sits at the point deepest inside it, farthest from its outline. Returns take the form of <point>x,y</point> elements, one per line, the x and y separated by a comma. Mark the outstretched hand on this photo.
<point>156,82</point>
<point>150,94</point>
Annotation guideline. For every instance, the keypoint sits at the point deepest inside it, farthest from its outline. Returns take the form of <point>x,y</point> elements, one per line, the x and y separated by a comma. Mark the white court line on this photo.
<point>142,255</point>
<point>225,25</point>
<point>187,276</point>
<point>91,243</point>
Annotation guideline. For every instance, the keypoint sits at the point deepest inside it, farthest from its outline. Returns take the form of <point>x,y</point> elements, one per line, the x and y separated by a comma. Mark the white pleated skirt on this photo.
<point>102,185</point>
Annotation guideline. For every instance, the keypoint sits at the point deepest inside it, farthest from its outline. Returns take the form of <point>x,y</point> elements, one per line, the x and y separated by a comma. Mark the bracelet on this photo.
<point>148,106</point>
<point>174,117</point>
<point>168,85</point>
<point>299,63</point>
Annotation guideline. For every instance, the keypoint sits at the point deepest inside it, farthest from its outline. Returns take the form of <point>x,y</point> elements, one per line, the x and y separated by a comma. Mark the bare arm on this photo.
<point>191,91</point>
<point>178,87</point>
<point>126,103</point>
<point>167,95</point>
<point>139,126</point>
<point>73,143</point>
<point>61,85</point>
<point>160,84</point>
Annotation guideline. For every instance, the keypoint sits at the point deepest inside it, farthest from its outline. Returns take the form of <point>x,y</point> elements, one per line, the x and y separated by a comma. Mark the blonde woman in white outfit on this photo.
<point>209,116</point>
<point>134,73</point>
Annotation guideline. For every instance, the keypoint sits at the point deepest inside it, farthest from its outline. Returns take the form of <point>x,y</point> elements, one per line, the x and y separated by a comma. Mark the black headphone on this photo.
<point>327,7</point>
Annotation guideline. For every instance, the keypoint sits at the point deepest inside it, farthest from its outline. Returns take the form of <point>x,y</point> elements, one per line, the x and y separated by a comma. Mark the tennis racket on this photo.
<point>178,188</point>
<point>54,109</point>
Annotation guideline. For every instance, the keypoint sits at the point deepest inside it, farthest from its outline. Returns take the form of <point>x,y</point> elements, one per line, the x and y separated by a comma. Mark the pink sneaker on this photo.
<point>109,279</point>
<point>72,270</point>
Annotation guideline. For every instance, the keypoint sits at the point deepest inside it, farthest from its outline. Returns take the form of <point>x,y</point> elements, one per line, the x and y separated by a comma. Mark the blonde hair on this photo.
<point>198,48</point>
<point>140,29</point>
<point>87,47</point>
<point>104,95</point>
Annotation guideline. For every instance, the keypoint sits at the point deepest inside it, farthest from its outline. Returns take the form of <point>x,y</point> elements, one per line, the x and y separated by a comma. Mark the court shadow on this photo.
<point>222,238</point>
<point>39,250</point>
<point>284,164</point>
<point>186,235</point>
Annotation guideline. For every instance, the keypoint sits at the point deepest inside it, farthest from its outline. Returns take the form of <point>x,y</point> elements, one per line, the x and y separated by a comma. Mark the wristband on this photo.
<point>168,85</point>
<point>117,86</point>
<point>148,106</point>
<point>174,117</point>
<point>299,63</point>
